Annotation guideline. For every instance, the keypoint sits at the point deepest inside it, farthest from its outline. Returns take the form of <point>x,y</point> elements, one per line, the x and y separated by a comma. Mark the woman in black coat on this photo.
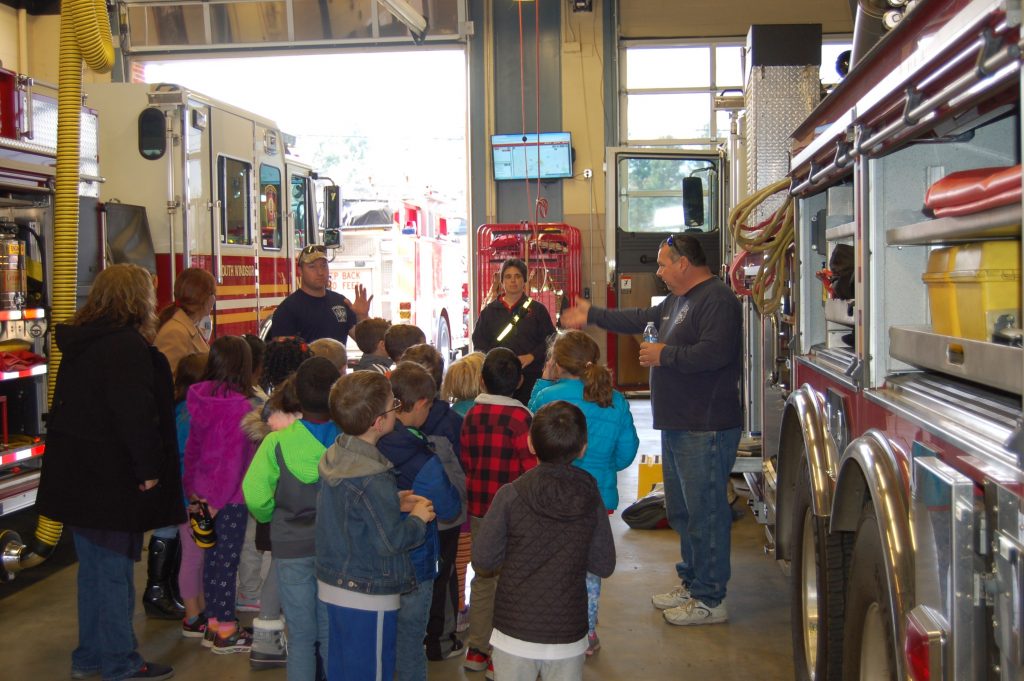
<point>110,471</point>
<point>517,322</point>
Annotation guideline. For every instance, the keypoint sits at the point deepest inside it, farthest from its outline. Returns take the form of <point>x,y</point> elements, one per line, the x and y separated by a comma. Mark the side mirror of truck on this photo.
<point>693,202</point>
<point>332,210</point>
<point>332,238</point>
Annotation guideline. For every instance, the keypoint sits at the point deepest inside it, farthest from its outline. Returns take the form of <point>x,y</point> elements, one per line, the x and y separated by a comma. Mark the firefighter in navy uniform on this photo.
<point>314,311</point>
<point>517,322</point>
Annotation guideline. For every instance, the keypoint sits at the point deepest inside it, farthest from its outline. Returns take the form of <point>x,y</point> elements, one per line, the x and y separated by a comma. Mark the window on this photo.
<point>299,209</point>
<point>152,142</point>
<point>668,96</point>
<point>270,207</point>
<point>670,91</point>
<point>235,178</point>
<point>651,192</point>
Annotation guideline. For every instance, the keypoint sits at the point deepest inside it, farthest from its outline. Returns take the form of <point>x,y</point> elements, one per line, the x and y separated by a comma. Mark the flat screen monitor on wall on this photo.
<point>521,156</point>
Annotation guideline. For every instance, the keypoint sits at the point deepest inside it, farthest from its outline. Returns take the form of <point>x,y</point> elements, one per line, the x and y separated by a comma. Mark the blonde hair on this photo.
<point>578,354</point>
<point>121,295</point>
<point>333,350</point>
<point>462,382</point>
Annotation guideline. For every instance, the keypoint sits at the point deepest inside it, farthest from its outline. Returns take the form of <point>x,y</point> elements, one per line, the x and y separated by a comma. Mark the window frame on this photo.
<point>222,196</point>
<point>278,227</point>
<point>712,89</point>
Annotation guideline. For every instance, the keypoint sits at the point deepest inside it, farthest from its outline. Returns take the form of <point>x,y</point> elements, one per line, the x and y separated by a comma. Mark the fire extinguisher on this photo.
<point>13,278</point>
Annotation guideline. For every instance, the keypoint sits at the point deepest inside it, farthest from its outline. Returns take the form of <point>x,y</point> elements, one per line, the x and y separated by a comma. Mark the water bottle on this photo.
<point>650,333</point>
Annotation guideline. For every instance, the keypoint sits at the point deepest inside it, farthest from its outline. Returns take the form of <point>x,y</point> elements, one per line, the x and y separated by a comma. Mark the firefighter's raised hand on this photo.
<point>576,316</point>
<point>361,305</point>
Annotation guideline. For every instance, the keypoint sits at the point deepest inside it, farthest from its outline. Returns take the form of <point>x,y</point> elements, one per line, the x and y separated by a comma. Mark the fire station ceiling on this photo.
<point>161,27</point>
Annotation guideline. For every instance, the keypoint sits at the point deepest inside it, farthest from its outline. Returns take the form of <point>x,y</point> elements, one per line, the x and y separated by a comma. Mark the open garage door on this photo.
<point>161,28</point>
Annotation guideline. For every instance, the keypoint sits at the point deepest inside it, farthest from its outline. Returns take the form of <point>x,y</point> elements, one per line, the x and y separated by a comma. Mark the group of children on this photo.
<point>366,481</point>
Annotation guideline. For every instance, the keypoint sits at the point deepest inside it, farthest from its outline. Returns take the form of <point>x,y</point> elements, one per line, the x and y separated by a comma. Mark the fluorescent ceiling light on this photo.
<point>405,13</point>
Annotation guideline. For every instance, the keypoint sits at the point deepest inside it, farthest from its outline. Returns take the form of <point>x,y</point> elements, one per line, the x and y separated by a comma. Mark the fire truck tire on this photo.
<point>870,652</point>
<point>444,341</point>
<point>819,564</point>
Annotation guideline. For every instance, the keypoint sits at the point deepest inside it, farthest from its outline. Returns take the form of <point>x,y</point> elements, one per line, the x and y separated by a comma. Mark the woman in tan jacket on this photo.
<point>178,336</point>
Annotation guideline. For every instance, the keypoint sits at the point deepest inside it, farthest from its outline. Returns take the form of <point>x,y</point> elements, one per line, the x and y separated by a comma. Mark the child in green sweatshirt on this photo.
<point>280,487</point>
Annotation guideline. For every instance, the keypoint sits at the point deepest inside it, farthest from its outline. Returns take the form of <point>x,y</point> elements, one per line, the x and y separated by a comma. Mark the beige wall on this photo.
<point>716,18</point>
<point>42,52</point>
<point>9,38</point>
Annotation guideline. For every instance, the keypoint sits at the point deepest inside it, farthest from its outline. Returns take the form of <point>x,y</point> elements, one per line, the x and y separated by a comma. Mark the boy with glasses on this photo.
<point>365,531</point>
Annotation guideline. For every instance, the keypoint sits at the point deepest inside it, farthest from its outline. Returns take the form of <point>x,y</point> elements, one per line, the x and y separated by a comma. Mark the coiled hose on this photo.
<point>84,34</point>
<point>773,236</point>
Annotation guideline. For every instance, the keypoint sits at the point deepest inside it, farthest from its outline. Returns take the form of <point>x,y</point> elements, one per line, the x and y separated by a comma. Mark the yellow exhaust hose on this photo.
<point>84,34</point>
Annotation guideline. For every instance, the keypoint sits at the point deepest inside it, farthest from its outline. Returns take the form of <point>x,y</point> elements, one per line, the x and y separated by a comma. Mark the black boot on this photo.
<point>172,579</point>
<point>158,598</point>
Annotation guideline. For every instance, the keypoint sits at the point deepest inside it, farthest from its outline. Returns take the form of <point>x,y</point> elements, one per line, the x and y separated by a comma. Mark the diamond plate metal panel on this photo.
<point>778,99</point>
<point>358,245</point>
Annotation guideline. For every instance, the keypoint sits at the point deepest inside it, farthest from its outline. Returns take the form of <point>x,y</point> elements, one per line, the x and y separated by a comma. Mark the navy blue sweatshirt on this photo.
<point>697,385</point>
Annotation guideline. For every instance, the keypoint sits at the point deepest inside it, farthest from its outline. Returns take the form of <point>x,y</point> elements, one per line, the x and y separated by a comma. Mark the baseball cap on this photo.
<point>312,253</point>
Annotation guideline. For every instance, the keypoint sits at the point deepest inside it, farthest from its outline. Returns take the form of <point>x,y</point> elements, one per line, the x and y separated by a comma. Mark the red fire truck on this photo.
<point>893,458</point>
<point>413,261</point>
<point>217,188</point>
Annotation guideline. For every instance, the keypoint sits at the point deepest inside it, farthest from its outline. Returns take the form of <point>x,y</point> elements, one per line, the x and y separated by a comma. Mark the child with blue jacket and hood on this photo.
<point>365,530</point>
<point>418,469</point>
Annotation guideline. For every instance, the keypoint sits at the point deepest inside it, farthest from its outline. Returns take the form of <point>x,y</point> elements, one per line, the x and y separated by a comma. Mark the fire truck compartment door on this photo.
<point>232,242</point>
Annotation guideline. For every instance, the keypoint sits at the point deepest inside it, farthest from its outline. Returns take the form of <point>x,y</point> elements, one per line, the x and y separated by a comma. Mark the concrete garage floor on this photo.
<point>41,626</point>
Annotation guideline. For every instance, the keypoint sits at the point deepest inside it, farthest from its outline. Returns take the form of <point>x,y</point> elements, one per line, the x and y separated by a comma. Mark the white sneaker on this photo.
<point>673,599</point>
<point>696,612</point>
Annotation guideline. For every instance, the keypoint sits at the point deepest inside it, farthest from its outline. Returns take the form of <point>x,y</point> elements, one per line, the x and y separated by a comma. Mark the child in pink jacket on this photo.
<point>217,455</point>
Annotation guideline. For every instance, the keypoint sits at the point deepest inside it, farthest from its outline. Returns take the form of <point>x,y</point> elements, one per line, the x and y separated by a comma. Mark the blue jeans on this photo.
<point>411,662</point>
<point>106,601</point>
<point>305,613</point>
<point>696,466</point>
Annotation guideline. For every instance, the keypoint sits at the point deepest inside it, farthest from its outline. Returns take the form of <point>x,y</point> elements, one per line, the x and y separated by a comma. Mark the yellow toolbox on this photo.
<point>942,292</point>
<point>987,281</point>
<point>650,474</point>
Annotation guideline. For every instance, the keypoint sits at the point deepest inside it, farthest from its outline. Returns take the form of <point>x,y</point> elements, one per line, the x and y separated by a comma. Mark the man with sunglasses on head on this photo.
<point>313,311</point>
<point>695,399</point>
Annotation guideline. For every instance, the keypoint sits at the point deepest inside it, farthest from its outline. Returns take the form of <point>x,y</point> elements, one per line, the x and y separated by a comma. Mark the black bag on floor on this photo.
<point>647,513</point>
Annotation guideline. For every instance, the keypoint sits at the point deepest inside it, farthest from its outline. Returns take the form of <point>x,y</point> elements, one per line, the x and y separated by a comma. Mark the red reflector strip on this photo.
<point>37,370</point>
<point>22,454</point>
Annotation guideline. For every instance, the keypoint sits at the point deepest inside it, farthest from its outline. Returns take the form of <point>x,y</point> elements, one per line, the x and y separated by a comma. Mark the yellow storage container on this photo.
<point>942,292</point>
<point>987,280</point>
<point>650,473</point>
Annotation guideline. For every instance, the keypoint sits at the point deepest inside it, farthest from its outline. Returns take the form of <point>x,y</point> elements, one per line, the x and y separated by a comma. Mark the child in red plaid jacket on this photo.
<point>494,451</point>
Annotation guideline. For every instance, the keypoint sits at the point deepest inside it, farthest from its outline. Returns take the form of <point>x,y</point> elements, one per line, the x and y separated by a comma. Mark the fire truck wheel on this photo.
<point>444,341</point>
<point>819,564</point>
<point>868,644</point>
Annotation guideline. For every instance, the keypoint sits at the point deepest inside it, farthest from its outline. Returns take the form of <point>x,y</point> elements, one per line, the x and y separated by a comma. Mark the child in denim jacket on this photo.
<point>363,541</point>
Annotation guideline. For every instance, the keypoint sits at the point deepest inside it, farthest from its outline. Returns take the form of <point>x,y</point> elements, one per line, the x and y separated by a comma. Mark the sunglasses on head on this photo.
<point>673,241</point>
<point>314,248</point>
